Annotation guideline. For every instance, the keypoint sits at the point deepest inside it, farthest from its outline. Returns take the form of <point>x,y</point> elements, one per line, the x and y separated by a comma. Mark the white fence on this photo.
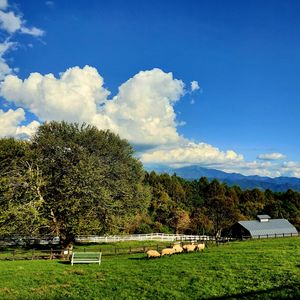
<point>142,237</point>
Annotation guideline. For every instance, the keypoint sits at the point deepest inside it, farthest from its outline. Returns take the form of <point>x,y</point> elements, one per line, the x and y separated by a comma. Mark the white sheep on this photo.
<point>167,251</point>
<point>153,254</point>
<point>200,247</point>
<point>177,248</point>
<point>189,247</point>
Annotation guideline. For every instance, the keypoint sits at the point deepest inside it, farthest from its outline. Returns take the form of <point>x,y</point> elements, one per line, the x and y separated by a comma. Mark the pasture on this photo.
<point>255,269</point>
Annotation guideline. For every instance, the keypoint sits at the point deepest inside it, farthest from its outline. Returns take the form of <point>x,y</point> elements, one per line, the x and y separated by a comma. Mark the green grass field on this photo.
<point>261,269</point>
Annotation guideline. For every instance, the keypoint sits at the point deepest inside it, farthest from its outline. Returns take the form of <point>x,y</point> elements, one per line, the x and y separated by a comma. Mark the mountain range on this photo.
<point>278,184</point>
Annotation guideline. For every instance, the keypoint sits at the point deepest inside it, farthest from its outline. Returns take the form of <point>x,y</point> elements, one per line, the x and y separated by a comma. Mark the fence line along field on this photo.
<point>254,269</point>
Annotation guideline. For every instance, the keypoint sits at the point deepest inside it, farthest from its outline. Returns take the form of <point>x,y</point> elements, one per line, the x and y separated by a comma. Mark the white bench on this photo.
<point>86,258</point>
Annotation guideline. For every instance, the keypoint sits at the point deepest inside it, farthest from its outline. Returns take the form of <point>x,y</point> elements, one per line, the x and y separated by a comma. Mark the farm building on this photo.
<point>264,226</point>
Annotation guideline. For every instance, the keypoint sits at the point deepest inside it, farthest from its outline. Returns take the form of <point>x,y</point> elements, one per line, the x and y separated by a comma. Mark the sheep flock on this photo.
<point>175,249</point>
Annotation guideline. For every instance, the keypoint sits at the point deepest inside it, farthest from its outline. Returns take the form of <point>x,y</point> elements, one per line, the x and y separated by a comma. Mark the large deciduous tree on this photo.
<point>75,179</point>
<point>94,184</point>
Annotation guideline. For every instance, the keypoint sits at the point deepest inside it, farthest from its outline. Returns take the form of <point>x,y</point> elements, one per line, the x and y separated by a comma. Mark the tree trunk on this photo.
<point>67,242</point>
<point>55,223</point>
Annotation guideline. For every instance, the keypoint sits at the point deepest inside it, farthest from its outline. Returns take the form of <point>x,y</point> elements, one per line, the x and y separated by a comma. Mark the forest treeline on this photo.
<point>203,207</point>
<point>72,179</point>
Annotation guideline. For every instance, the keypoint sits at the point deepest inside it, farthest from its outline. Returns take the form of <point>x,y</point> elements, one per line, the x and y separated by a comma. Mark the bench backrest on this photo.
<point>86,257</point>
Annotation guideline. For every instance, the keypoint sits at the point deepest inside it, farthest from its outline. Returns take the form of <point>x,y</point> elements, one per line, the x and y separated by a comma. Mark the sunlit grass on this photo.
<point>262,269</point>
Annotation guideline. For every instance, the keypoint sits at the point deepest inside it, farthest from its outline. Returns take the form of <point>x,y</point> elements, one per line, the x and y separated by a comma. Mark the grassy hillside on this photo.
<point>262,269</point>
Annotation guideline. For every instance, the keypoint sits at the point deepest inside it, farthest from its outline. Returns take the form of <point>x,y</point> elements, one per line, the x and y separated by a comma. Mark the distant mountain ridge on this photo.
<point>278,184</point>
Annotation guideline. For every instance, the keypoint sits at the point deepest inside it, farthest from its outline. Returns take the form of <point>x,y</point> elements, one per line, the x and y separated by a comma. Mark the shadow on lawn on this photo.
<point>283,292</point>
<point>138,258</point>
<point>64,262</point>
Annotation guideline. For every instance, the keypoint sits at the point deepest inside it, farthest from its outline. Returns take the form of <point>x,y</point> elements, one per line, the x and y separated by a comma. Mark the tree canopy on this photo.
<point>72,179</point>
<point>81,181</point>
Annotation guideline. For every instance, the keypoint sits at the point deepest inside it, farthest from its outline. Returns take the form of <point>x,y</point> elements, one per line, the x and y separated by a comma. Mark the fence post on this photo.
<point>51,253</point>
<point>129,250</point>
<point>157,248</point>
<point>115,250</point>
<point>32,255</point>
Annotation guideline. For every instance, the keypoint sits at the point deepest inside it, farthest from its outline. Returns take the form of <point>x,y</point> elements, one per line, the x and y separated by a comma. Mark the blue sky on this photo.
<point>244,56</point>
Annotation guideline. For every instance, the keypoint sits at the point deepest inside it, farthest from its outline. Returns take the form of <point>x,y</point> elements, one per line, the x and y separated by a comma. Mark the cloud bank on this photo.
<point>142,111</point>
<point>271,156</point>
<point>191,153</point>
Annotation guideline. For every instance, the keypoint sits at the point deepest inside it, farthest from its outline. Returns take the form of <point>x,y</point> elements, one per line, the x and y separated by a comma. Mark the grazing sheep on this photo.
<point>200,247</point>
<point>167,251</point>
<point>177,248</point>
<point>189,247</point>
<point>153,254</point>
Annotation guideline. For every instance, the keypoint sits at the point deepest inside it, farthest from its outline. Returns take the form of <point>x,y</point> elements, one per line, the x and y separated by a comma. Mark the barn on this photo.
<point>263,226</point>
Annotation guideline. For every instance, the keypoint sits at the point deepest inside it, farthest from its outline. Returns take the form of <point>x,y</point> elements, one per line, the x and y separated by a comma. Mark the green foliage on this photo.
<point>21,185</point>
<point>70,180</point>
<point>203,207</point>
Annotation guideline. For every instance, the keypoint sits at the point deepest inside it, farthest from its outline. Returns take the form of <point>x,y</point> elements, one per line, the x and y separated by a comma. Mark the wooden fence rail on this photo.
<point>33,254</point>
<point>36,254</point>
<point>142,237</point>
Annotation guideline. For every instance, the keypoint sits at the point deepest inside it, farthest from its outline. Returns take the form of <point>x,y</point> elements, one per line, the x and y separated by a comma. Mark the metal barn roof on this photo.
<point>272,227</point>
<point>263,217</point>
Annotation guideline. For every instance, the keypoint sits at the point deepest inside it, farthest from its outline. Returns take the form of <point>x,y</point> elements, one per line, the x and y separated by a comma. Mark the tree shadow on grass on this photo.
<point>64,262</point>
<point>138,258</point>
<point>291,291</point>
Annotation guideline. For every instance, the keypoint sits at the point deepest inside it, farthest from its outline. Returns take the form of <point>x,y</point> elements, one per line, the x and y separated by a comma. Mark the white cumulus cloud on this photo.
<point>141,112</point>
<point>11,23</point>
<point>191,153</point>
<point>10,124</point>
<point>5,69</point>
<point>229,161</point>
<point>73,96</point>
<point>195,85</point>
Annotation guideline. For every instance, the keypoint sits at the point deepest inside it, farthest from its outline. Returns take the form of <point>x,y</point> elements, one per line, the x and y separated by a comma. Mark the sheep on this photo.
<point>153,254</point>
<point>177,248</point>
<point>167,251</point>
<point>189,247</point>
<point>200,247</point>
